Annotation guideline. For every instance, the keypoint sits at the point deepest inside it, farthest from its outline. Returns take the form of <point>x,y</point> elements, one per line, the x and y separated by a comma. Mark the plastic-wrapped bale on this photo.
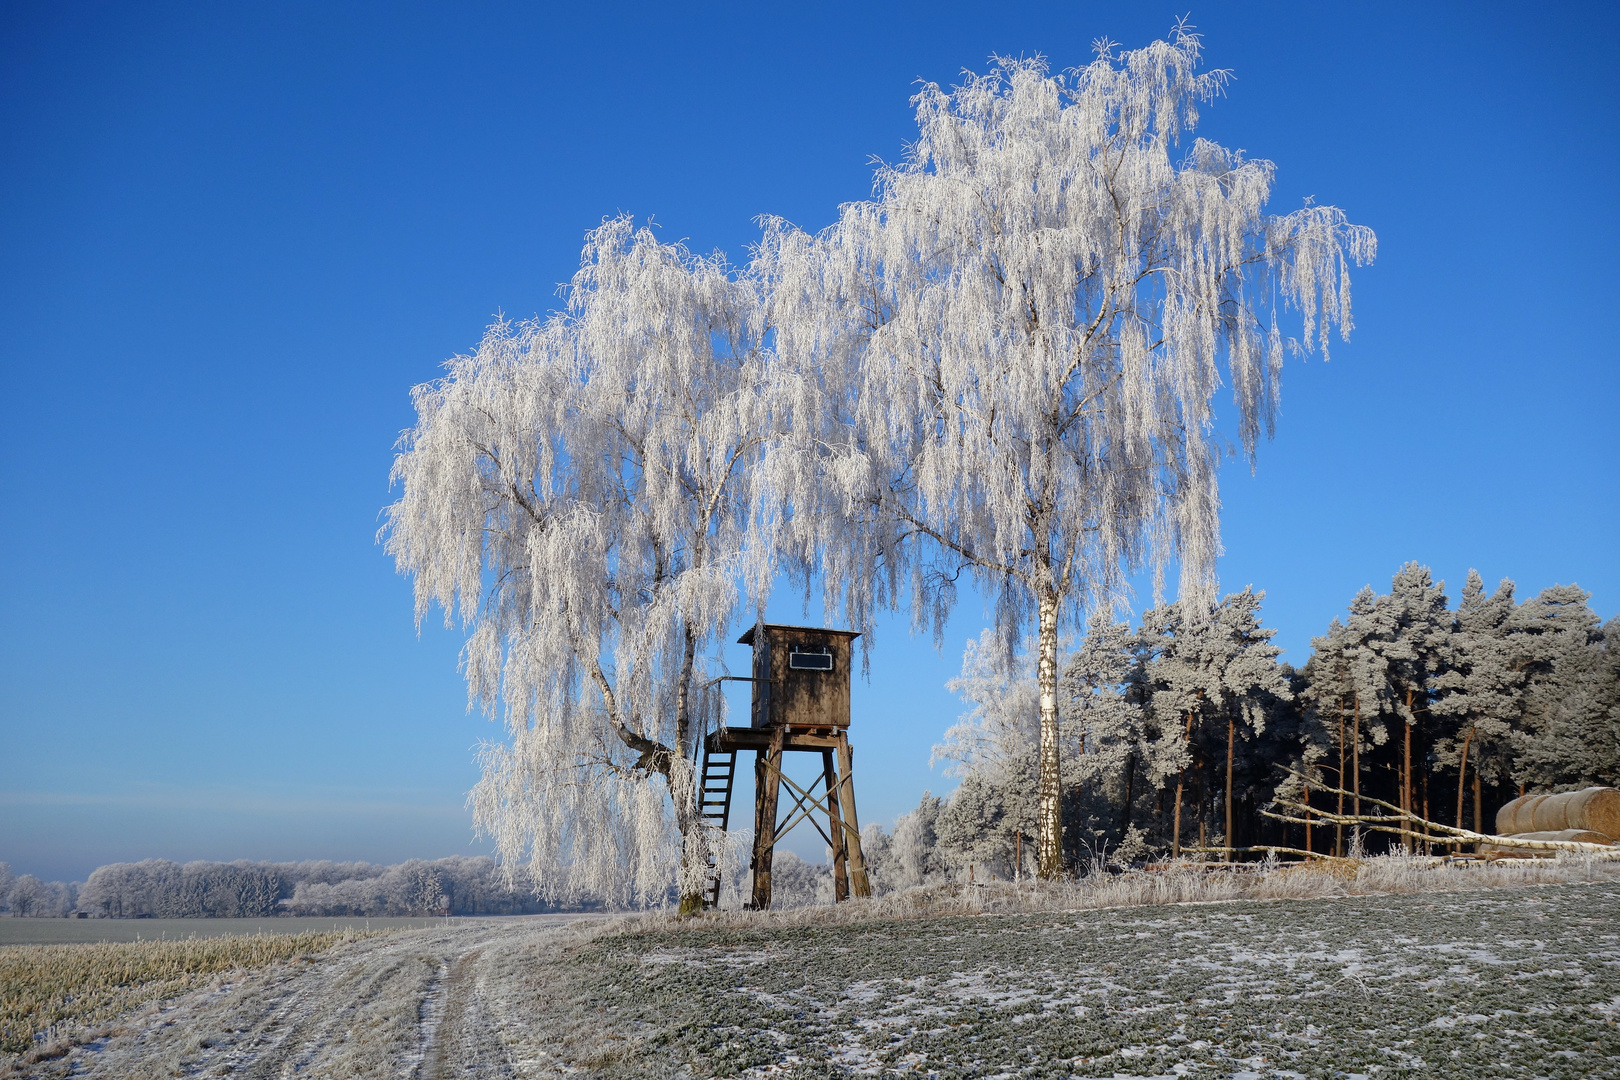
<point>1596,809</point>
<point>1579,836</point>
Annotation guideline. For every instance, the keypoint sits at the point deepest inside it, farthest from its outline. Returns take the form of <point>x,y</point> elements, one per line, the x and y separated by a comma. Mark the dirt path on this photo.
<point>410,1006</point>
<point>463,1043</point>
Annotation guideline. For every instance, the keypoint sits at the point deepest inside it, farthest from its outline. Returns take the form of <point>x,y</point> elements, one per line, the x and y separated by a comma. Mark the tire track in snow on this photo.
<point>465,1045</point>
<point>415,1005</point>
<point>316,1035</point>
<point>402,1007</point>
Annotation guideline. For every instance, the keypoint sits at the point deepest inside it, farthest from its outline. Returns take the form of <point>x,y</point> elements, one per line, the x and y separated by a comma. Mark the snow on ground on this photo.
<point>1506,982</point>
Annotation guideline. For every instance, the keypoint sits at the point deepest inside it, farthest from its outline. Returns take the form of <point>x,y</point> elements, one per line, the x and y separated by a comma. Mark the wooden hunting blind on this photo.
<point>800,702</point>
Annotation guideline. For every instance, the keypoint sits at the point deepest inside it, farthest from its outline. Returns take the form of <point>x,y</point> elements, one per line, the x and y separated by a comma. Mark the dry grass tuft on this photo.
<point>1186,882</point>
<point>51,996</point>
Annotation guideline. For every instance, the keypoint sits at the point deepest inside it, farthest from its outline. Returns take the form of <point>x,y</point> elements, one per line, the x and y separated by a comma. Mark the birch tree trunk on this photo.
<point>1050,844</point>
<point>683,785</point>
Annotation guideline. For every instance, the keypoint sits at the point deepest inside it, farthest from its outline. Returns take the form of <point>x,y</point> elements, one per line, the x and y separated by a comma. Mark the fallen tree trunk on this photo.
<point>1275,849</point>
<point>1578,836</point>
<point>1401,823</point>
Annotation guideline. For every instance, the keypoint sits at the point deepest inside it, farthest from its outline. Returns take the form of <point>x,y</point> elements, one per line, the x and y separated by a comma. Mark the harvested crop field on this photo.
<point>75,986</point>
<point>1509,982</point>
<point>79,931</point>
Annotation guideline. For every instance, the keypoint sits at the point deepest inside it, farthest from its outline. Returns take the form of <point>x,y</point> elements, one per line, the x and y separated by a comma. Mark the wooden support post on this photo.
<point>835,829</point>
<point>767,785</point>
<point>859,883</point>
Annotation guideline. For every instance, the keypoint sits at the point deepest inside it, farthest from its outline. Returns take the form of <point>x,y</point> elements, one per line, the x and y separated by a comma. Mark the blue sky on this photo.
<point>233,236</point>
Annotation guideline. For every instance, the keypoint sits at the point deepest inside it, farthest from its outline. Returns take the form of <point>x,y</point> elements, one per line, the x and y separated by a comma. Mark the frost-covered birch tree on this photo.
<point>576,491</point>
<point>1004,363</point>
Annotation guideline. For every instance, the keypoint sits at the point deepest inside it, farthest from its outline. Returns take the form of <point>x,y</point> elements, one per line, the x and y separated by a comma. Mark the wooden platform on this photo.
<point>731,739</point>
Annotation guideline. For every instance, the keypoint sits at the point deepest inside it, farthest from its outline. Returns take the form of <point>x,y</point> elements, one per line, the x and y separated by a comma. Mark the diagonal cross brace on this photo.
<point>800,810</point>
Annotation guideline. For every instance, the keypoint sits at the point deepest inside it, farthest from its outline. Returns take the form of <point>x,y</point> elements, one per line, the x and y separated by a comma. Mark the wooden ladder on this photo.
<point>714,809</point>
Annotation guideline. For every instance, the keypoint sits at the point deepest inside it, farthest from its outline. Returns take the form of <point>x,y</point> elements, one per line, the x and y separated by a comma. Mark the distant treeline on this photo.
<point>159,889</point>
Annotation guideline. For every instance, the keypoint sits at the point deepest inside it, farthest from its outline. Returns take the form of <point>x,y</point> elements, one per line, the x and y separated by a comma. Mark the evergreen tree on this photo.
<point>1570,730</point>
<point>992,748</point>
<point>1352,669</point>
<point>1120,750</point>
<point>1298,742</point>
<point>1410,641</point>
<point>916,858</point>
<point>1480,690</point>
<point>1328,697</point>
<point>985,823</point>
<point>1212,672</point>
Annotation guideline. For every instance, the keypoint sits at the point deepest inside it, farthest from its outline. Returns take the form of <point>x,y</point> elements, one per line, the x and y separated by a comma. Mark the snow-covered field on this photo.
<point>1510,982</point>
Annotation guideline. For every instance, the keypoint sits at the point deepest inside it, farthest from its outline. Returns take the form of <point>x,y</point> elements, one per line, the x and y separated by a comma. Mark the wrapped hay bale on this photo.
<point>1579,836</point>
<point>1597,809</point>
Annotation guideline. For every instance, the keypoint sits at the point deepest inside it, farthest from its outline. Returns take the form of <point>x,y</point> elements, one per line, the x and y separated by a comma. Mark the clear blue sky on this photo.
<point>233,236</point>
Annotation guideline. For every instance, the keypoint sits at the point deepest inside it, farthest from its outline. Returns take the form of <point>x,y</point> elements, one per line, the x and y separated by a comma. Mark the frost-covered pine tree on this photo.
<point>1111,736</point>
<point>911,856</point>
<point>1569,730</point>
<point>1574,735</point>
<point>1004,363</point>
<point>1218,671</point>
<point>1251,678</point>
<point>577,491</point>
<point>1410,639</point>
<point>1327,697</point>
<point>1368,618</point>
<point>1480,689</point>
<point>1347,683</point>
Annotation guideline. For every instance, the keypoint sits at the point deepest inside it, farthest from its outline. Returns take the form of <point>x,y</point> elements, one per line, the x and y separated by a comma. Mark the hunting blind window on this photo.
<point>819,659</point>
